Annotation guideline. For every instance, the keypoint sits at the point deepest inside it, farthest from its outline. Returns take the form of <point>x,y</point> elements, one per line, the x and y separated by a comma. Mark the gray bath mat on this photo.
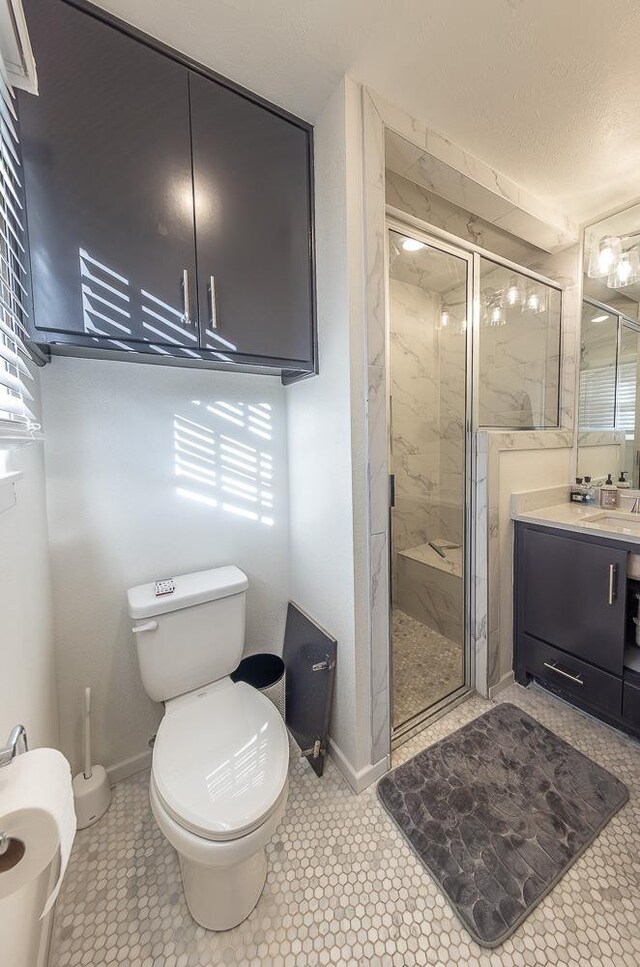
<point>498,812</point>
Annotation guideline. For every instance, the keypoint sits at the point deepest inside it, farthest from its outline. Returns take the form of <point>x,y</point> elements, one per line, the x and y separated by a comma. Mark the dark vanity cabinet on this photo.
<point>168,212</point>
<point>573,625</point>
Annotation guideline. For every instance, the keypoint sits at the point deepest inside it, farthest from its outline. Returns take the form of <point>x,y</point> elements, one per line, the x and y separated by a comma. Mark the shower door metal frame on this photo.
<point>422,233</point>
<point>412,225</point>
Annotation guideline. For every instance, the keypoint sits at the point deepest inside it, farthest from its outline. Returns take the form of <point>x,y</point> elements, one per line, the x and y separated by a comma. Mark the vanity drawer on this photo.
<point>631,705</point>
<point>591,685</point>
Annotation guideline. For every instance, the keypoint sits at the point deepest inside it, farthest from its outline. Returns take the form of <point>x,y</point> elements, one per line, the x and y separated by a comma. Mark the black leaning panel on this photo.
<point>308,693</point>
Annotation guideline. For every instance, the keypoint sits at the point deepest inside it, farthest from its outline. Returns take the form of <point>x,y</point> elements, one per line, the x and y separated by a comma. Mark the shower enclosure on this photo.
<point>472,341</point>
<point>428,334</point>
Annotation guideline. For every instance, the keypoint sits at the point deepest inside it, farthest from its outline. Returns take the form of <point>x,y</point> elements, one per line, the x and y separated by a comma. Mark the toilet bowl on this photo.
<point>218,791</point>
<point>219,781</point>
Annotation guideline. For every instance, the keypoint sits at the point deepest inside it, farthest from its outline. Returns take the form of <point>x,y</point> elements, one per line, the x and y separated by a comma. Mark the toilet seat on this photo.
<point>220,760</point>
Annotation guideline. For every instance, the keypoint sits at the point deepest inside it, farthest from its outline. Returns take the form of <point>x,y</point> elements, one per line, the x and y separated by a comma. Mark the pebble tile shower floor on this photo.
<point>426,667</point>
<point>343,886</point>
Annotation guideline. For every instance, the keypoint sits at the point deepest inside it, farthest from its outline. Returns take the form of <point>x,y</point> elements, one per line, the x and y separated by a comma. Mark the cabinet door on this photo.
<point>253,226</point>
<point>572,595</point>
<point>107,162</point>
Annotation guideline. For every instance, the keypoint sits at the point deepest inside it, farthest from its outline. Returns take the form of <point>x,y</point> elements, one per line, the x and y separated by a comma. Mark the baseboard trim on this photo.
<point>358,779</point>
<point>500,686</point>
<point>129,767</point>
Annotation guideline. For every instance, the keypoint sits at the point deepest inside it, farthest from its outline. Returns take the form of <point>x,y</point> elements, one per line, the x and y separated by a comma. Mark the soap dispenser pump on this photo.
<point>608,493</point>
<point>623,483</point>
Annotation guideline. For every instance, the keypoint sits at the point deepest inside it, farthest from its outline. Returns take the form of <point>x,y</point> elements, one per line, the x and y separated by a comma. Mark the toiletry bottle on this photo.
<point>577,492</point>
<point>589,496</point>
<point>608,493</point>
<point>623,483</point>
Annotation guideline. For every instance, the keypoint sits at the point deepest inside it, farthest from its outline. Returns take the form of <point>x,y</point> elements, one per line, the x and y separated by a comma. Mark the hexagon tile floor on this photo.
<point>343,886</point>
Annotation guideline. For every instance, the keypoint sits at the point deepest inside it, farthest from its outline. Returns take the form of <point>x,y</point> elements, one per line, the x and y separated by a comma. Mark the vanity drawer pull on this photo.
<point>613,571</point>
<point>554,668</point>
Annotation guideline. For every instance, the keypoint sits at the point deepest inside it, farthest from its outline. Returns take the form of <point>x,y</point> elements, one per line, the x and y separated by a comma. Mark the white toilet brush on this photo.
<point>91,789</point>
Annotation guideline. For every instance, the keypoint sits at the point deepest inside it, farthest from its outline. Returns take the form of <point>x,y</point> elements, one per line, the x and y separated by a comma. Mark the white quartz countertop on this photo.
<point>617,525</point>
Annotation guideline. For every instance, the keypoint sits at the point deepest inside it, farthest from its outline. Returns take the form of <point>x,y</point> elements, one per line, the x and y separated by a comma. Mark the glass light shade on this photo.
<point>495,315</point>
<point>512,296</point>
<point>625,271</point>
<point>534,300</point>
<point>604,255</point>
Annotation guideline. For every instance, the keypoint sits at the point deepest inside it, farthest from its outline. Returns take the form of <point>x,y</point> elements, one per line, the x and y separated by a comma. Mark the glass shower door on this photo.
<point>428,312</point>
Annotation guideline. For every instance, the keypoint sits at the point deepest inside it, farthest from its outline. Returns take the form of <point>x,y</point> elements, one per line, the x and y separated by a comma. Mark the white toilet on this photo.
<point>220,760</point>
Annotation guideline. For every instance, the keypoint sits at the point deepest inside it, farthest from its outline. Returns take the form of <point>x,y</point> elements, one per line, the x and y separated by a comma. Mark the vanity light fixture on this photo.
<point>603,256</point>
<point>625,271</point>
<point>412,245</point>
<point>494,313</point>
<point>614,261</point>
<point>512,295</point>
<point>533,301</point>
<point>445,318</point>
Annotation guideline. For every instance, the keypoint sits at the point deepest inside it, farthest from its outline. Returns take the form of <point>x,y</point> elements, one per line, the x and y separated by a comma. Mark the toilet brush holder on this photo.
<point>91,789</point>
<point>91,796</point>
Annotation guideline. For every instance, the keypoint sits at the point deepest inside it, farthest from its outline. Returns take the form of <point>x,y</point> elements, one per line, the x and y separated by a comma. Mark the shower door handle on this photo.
<point>392,490</point>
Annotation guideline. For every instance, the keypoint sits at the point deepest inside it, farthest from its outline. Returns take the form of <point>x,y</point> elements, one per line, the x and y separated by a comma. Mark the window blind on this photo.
<point>627,382</point>
<point>596,397</point>
<point>17,420</point>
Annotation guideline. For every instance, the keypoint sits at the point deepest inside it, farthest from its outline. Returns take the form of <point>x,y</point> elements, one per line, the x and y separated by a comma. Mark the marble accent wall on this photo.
<point>407,196</point>
<point>377,426</point>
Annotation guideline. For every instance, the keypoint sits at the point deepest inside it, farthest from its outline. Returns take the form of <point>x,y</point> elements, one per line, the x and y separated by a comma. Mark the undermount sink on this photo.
<point>617,521</point>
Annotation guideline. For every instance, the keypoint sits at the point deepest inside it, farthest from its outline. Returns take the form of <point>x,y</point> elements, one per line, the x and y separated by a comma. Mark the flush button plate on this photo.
<point>165,586</point>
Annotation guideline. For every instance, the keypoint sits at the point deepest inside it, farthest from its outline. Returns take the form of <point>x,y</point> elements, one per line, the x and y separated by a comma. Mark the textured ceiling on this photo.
<point>546,91</point>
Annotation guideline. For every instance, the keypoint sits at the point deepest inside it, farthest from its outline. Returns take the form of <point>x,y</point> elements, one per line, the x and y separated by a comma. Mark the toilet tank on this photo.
<point>192,635</point>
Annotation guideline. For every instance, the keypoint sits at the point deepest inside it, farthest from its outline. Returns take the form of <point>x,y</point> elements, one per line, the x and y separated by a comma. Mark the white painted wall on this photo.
<point>325,420</point>
<point>27,680</point>
<point>116,519</point>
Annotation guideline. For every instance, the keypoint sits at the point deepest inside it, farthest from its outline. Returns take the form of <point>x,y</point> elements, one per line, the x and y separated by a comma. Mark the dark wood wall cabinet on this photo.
<point>169,212</point>
<point>574,630</point>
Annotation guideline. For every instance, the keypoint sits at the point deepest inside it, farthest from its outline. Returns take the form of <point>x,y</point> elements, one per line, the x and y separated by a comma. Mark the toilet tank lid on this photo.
<point>190,589</point>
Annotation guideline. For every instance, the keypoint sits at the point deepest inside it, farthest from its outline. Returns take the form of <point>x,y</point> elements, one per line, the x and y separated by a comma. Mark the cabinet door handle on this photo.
<point>613,570</point>
<point>186,301</point>
<point>554,668</point>
<point>212,299</point>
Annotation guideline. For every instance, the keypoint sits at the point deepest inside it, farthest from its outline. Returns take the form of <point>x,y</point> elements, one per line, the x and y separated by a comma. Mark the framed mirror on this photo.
<point>608,397</point>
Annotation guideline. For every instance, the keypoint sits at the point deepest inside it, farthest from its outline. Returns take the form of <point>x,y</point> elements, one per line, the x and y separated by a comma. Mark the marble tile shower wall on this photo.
<point>427,383</point>
<point>407,196</point>
<point>518,379</point>
<point>518,382</point>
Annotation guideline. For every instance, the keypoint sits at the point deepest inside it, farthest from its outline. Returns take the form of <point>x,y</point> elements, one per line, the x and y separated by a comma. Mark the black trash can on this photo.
<point>267,674</point>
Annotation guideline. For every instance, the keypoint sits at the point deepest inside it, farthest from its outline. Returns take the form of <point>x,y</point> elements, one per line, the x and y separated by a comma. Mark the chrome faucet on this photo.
<point>17,743</point>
